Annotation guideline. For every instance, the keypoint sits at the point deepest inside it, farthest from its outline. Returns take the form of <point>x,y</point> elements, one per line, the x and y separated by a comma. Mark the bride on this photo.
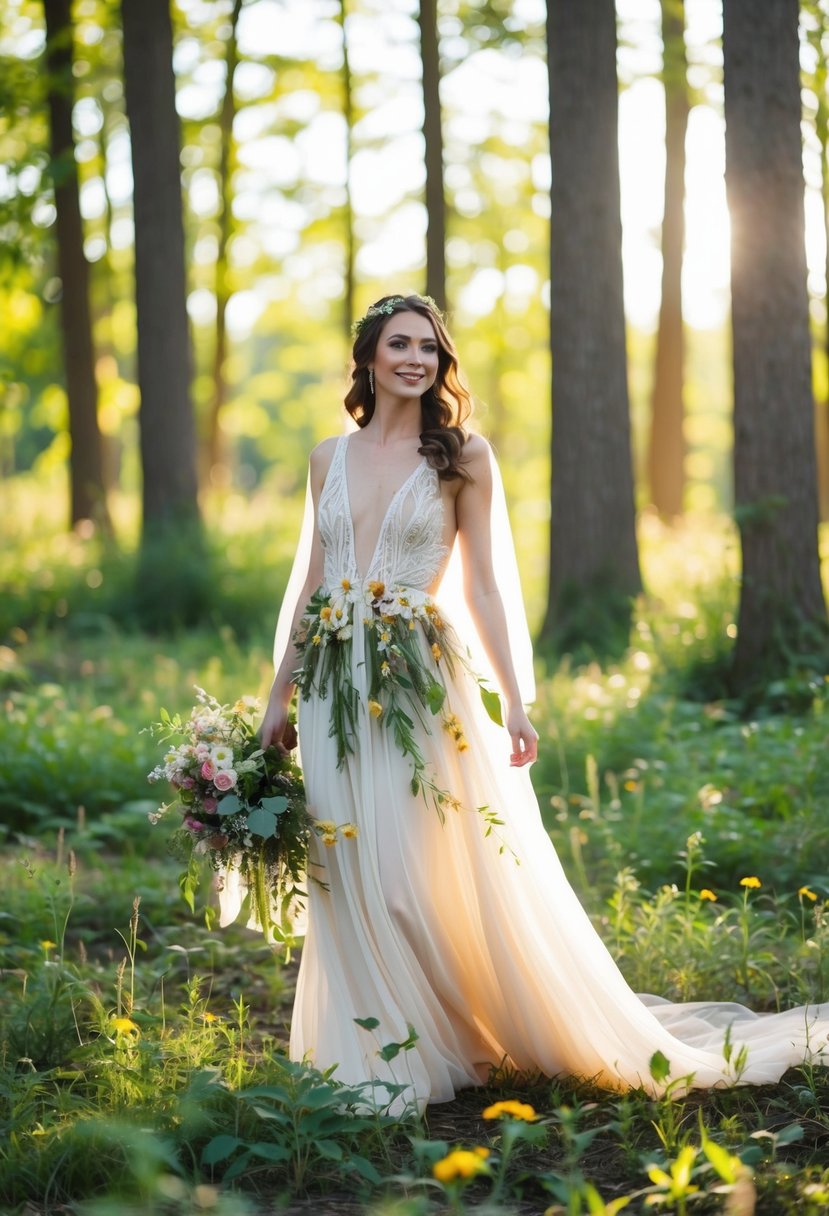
<point>445,921</point>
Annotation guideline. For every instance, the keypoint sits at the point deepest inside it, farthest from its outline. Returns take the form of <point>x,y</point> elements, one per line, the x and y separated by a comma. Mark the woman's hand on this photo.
<point>523,735</point>
<point>276,731</point>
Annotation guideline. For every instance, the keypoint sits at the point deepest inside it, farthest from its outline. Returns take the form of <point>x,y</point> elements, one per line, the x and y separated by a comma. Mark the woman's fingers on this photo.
<point>524,749</point>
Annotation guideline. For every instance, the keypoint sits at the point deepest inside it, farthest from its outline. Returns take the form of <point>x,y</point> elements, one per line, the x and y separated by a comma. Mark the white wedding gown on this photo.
<point>486,953</point>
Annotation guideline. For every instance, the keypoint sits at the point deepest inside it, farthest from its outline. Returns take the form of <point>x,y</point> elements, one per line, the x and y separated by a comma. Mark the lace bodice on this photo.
<point>409,549</point>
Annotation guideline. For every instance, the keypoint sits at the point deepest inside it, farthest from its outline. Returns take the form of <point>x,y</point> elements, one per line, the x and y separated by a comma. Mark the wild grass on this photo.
<point>142,1052</point>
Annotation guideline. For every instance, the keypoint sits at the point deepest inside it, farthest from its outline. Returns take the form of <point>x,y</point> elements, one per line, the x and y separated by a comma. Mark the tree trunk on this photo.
<point>216,457</point>
<point>666,449</point>
<point>433,137</point>
<point>348,211</point>
<point>88,496</point>
<point>774,447</point>
<point>822,128</point>
<point>168,436</point>
<point>594,564</point>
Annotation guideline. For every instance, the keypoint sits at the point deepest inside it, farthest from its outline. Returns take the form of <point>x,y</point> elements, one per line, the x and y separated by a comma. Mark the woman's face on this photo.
<point>406,359</point>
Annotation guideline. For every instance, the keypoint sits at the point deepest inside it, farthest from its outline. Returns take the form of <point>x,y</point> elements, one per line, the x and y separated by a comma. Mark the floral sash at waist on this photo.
<point>407,648</point>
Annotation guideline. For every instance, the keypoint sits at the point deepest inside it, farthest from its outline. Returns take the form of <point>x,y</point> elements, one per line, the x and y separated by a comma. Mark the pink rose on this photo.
<point>225,779</point>
<point>208,770</point>
<point>209,805</point>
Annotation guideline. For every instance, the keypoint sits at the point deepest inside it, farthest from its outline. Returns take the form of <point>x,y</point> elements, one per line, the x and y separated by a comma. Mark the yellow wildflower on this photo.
<point>462,743</point>
<point>751,881</point>
<point>803,891</point>
<point>437,653</point>
<point>316,639</point>
<point>325,613</point>
<point>349,831</point>
<point>325,825</point>
<point>375,709</point>
<point>460,1163</point>
<point>705,893</point>
<point>209,1017</point>
<point>377,589</point>
<point>329,838</point>
<point>124,1026</point>
<point>515,1110</point>
<point>631,786</point>
<point>452,802</point>
<point>384,668</point>
<point>47,945</point>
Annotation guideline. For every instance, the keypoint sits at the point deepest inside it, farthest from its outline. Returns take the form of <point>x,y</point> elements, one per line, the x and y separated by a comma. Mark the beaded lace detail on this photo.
<point>409,549</point>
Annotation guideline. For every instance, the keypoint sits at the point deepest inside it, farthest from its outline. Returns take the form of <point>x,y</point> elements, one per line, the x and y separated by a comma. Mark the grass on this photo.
<point>142,1052</point>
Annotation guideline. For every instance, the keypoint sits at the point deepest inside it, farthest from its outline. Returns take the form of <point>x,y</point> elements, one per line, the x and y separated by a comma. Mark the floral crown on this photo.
<point>385,310</point>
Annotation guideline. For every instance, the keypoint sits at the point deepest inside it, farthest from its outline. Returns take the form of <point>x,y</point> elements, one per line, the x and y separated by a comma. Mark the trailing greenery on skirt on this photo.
<point>408,646</point>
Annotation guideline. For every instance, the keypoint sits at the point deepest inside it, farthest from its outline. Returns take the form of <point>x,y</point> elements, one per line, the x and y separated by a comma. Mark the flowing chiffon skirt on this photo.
<point>477,941</point>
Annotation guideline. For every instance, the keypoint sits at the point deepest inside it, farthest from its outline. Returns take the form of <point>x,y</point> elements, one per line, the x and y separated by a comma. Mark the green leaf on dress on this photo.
<point>492,705</point>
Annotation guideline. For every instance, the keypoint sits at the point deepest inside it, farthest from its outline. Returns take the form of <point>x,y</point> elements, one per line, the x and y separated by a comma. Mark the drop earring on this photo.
<point>371,380</point>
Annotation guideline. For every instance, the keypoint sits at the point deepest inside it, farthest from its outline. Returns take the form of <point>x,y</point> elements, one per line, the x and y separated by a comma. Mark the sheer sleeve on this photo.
<point>296,579</point>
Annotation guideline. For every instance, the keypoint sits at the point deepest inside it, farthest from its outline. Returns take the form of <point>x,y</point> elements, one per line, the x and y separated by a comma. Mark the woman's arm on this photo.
<point>483,597</point>
<point>275,721</point>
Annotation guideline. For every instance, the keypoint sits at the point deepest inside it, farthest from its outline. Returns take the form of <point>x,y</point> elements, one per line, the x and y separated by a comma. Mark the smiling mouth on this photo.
<point>411,377</point>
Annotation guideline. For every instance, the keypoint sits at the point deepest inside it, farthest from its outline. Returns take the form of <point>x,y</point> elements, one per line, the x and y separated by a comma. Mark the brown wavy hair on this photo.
<point>445,406</point>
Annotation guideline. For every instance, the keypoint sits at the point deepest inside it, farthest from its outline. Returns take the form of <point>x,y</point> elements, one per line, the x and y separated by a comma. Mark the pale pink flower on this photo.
<point>193,825</point>
<point>209,805</point>
<point>225,779</point>
<point>187,783</point>
<point>208,770</point>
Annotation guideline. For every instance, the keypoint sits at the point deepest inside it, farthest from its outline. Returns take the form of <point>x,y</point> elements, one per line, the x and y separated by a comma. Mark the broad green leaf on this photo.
<point>229,805</point>
<point>492,705</point>
<point>660,1066</point>
<point>261,822</point>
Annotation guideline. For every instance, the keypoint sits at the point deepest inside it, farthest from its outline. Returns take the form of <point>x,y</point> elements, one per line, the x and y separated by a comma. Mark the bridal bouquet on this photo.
<point>243,810</point>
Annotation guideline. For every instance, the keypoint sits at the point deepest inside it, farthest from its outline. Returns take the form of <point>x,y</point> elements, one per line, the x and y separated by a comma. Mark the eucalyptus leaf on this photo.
<point>229,805</point>
<point>261,822</point>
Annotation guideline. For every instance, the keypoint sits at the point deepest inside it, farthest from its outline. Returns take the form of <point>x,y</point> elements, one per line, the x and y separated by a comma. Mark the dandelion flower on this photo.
<point>803,892</point>
<point>752,882</point>
<point>349,831</point>
<point>515,1110</point>
<point>705,893</point>
<point>124,1026</point>
<point>460,1163</point>
<point>47,945</point>
<point>375,709</point>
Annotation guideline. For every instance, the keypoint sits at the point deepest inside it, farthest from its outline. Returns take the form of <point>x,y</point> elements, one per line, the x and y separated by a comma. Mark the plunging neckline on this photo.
<point>396,496</point>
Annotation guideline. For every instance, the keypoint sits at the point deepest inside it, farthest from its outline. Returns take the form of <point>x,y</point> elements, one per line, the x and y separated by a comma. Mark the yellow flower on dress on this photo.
<point>375,709</point>
<point>437,653</point>
<point>463,744</point>
<point>452,802</point>
<point>325,613</point>
<point>705,893</point>
<point>124,1026</point>
<point>349,831</point>
<point>803,891</point>
<point>377,589</point>
<point>329,838</point>
<point>515,1110</point>
<point>461,1163</point>
<point>751,882</point>
<point>325,825</point>
<point>316,639</point>
<point>384,668</point>
<point>346,584</point>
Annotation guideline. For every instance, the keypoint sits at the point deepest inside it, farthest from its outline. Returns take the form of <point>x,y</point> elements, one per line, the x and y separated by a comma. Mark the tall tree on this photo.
<point>774,449</point>
<point>433,136</point>
<point>348,210</point>
<point>168,436</point>
<point>594,564</point>
<point>216,454</point>
<point>666,448</point>
<point>88,497</point>
<point>818,33</point>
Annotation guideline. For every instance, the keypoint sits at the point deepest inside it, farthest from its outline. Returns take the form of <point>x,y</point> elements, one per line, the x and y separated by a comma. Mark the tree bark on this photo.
<point>594,564</point>
<point>433,137</point>
<point>774,447</point>
<point>348,210</point>
<point>666,449</point>
<point>216,456</point>
<point>168,435</point>
<point>88,495</point>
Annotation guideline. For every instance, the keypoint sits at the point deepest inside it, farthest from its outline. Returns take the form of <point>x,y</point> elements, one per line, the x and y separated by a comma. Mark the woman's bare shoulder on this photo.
<point>322,455</point>
<point>476,457</point>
